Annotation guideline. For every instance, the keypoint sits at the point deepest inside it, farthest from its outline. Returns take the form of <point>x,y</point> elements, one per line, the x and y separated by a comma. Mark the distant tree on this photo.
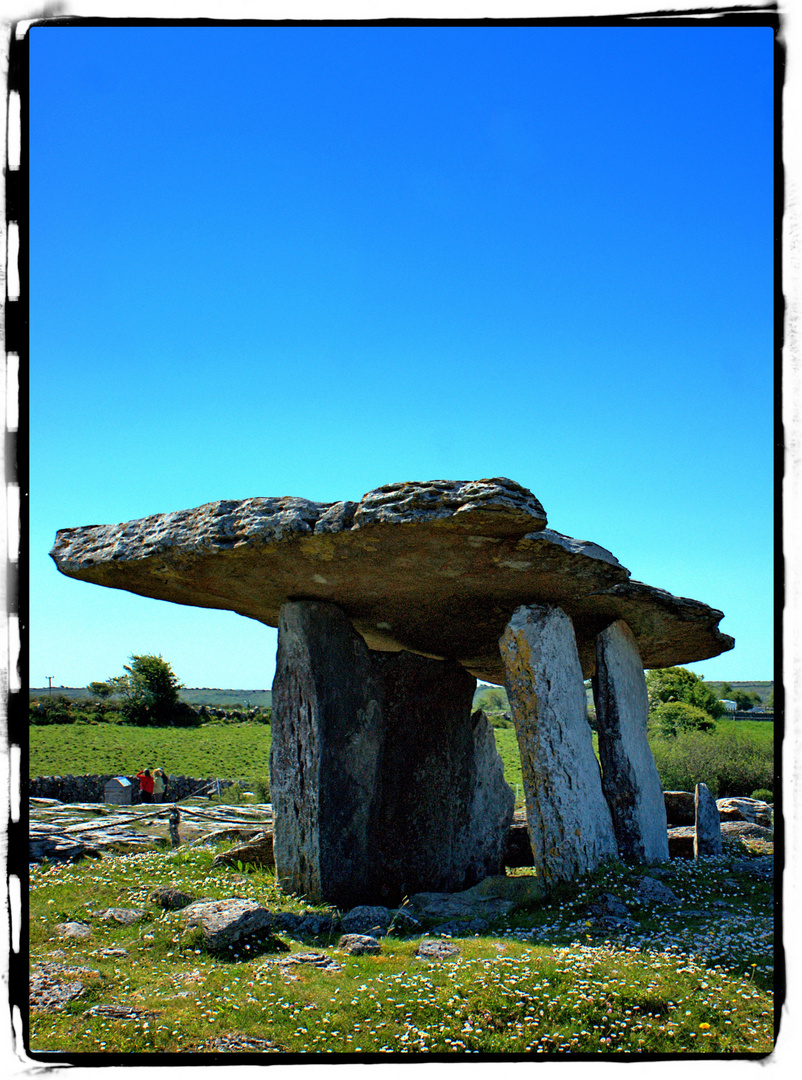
<point>673,717</point>
<point>745,699</point>
<point>100,690</point>
<point>725,691</point>
<point>770,701</point>
<point>678,684</point>
<point>149,692</point>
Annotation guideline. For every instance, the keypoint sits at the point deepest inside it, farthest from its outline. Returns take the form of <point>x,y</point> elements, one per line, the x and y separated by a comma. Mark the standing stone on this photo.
<point>325,758</point>
<point>446,808</point>
<point>630,780</point>
<point>707,838</point>
<point>570,826</point>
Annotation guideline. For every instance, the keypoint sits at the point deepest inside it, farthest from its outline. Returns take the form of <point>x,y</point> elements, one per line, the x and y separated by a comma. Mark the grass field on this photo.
<point>242,752</point>
<point>538,982</point>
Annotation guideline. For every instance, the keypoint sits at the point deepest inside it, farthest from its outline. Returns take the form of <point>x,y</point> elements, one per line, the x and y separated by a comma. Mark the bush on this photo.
<point>730,763</point>
<point>763,795</point>
<point>672,717</point>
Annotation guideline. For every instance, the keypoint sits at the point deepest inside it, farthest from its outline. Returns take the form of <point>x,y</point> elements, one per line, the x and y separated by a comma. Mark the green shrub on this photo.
<point>672,717</point>
<point>730,763</point>
<point>763,794</point>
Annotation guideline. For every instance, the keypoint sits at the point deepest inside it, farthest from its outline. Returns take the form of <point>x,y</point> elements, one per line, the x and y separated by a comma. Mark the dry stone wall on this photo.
<point>92,788</point>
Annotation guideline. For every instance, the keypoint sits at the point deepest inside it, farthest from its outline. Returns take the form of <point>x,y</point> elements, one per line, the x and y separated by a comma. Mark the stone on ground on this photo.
<point>708,824</point>
<point>372,921</point>
<point>357,944</point>
<point>231,924</point>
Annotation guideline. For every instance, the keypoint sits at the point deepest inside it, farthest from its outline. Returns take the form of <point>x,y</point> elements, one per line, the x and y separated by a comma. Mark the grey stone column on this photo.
<point>383,783</point>
<point>325,758</point>
<point>446,808</point>
<point>570,827</point>
<point>630,780</point>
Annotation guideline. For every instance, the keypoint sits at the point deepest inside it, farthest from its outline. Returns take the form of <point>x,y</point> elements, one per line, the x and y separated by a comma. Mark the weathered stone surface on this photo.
<point>171,899</point>
<point>232,924</point>
<point>255,852</point>
<point>494,896</point>
<point>383,783</point>
<point>708,823</point>
<point>680,807</point>
<point>437,950</point>
<point>519,847</point>
<point>651,891</point>
<point>630,781</point>
<point>570,827</point>
<point>357,944</point>
<point>78,930</point>
<point>435,568</point>
<point>445,806</point>
<point>366,920</point>
<point>681,840</point>
<point>325,758</point>
<point>754,810</point>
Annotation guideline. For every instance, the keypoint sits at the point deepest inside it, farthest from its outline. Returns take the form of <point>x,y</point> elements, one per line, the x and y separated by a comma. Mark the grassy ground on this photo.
<point>542,981</point>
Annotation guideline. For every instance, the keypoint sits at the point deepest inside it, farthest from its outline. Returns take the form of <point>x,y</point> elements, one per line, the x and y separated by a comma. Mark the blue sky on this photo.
<point>314,260</point>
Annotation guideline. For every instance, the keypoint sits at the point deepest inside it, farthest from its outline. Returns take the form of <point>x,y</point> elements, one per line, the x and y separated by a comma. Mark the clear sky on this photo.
<point>310,261</point>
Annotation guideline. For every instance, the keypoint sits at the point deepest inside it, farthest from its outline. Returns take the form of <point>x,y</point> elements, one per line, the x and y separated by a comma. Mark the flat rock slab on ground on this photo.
<point>433,567</point>
<point>357,944</point>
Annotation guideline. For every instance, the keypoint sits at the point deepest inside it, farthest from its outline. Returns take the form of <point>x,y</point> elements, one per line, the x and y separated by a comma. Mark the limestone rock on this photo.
<point>708,824</point>
<point>171,899</point>
<point>435,568</point>
<point>570,827</point>
<point>445,805</point>
<point>231,924</point>
<point>78,930</point>
<point>681,841</point>
<point>325,757</point>
<point>495,896</point>
<point>753,810</point>
<point>372,921</point>
<point>518,851</point>
<point>652,891</point>
<point>357,944</point>
<point>255,852</point>
<point>630,781</point>
<point>680,807</point>
<point>437,950</point>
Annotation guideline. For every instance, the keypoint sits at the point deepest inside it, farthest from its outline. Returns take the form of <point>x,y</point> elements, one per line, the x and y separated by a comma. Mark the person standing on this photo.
<point>158,785</point>
<point>145,786</point>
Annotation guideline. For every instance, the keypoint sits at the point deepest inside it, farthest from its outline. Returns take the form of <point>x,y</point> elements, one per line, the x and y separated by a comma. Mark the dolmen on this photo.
<point>383,782</point>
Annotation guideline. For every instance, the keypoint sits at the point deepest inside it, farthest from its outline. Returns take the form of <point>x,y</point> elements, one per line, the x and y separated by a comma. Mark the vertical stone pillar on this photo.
<point>707,834</point>
<point>570,827</point>
<point>446,808</point>
<point>630,780</point>
<point>325,758</point>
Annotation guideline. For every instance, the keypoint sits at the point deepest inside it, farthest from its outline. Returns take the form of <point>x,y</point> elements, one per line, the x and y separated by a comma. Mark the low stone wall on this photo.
<point>88,789</point>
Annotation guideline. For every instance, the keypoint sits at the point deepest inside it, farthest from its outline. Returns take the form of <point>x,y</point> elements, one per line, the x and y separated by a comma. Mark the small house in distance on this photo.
<point>118,791</point>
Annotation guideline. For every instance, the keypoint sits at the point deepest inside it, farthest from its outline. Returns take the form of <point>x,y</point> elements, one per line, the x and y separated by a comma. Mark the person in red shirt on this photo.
<point>145,785</point>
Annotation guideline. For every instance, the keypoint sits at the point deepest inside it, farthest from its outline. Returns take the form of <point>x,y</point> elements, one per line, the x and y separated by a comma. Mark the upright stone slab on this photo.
<point>445,806</point>
<point>630,780</point>
<point>570,826</point>
<point>707,835</point>
<point>325,758</point>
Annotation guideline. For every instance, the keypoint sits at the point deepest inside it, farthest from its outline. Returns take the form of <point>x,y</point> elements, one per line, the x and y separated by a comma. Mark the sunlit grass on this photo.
<point>544,982</point>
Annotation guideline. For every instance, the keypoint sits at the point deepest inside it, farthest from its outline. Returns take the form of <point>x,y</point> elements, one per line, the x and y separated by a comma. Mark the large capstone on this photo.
<point>570,826</point>
<point>435,568</point>
<point>630,780</point>
<point>382,781</point>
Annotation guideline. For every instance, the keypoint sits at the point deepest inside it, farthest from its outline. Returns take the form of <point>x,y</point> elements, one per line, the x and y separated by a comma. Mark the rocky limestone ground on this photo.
<point>715,911</point>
